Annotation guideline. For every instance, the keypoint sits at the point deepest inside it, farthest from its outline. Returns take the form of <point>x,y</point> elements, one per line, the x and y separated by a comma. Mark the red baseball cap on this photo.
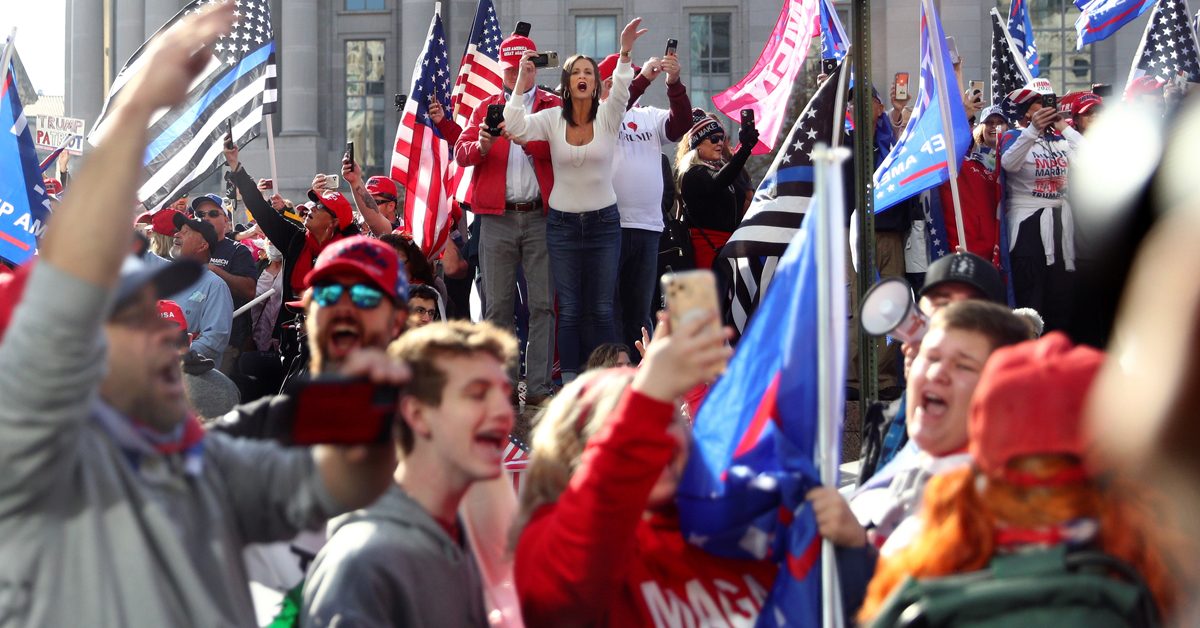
<point>1085,103</point>
<point>144,218</point>
<point>372,259</point>
<point>609,65</point>
<point>336,203</point>
<point>513,48</point>
<point>171,311</point>
<point>163,222</point>
<point>382,186</point>
<point>1029,401</point>
<point>52,185</point>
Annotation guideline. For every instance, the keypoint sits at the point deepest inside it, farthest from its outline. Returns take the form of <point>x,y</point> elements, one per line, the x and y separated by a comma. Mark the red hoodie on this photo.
<point>593,558</point>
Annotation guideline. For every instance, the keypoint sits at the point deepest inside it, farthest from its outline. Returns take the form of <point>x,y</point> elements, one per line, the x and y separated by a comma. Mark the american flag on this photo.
<point>1168,45</point>
<point>421,156</point>
<point>479,78</point>
<point>516,460</point>
<point>238,86</point>
<point>1021,29</point>
<point>1009,71</point>
<point>781,202</point>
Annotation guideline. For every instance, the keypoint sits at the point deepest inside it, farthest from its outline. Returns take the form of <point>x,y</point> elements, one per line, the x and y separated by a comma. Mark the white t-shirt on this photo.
<point>637,168</point>
<point>521,184</point>
<point>582,174</point>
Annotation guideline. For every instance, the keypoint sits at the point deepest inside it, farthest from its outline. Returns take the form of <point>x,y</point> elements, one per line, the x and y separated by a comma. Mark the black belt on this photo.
<point>523,207</point>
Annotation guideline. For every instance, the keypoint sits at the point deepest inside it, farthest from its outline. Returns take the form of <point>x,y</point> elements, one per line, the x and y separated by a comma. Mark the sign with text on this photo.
<point>54,131</point>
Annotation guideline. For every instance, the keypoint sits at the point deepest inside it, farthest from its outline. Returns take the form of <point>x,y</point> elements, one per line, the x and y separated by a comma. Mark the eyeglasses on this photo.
<point>716,139</point>
<point>417,310</point>
<point>362,295</point>
<point>212,213</point>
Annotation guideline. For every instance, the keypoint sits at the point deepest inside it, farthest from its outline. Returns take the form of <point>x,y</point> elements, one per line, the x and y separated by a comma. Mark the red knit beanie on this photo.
<point>1030,400</point>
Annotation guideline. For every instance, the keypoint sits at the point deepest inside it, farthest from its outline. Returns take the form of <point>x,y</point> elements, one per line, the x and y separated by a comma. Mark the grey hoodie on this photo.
<point>96,527</point>
<point>392,565</point>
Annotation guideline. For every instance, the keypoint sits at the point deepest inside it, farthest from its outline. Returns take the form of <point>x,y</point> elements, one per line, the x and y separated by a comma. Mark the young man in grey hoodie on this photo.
<point>405,560</point>
<point>116,509</point>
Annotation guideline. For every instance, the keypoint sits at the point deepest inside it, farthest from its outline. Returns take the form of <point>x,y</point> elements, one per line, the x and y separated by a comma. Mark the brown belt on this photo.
<point>523,207</point>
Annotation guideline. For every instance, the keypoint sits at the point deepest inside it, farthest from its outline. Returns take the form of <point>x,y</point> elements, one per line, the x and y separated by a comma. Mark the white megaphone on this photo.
<point>888,309</point>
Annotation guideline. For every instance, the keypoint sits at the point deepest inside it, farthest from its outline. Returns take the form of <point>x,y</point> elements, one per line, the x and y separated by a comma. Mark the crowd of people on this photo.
<point>153,384</point>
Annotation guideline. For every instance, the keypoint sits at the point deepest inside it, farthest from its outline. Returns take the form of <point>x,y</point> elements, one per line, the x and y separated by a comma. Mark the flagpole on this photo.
<point>939,74</point>
<point>8,51</point>
<point>827,179</point>
<point>271,150</point>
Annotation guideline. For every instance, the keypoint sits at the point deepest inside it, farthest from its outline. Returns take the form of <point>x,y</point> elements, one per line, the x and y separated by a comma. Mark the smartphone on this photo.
<point>1050,101</point>
<point>548,59</point>
<point>902,86</point>
<point>1180,81</point>
<point>495,115</point>
<point>522,29</point>
<point>401,100</point>
<point>690,294</point>
<point>977,87</point>
<point>268,184</point>
<point>828,66</point>
<point>229,145</point>
<point>331,182</point>
<point>1102,90</point>
<point>748,118</point>
<point>672,46</point>
<point>336,410</point>
<point>952,46</point>
<point>350,152</point>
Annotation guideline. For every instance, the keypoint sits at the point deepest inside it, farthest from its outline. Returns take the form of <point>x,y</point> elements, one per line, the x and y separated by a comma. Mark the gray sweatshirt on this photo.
<point>392,565</point>
<point>96,527</point>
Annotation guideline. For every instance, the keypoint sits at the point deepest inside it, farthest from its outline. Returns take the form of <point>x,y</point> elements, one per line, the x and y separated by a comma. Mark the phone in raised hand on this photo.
<point>672,46</point>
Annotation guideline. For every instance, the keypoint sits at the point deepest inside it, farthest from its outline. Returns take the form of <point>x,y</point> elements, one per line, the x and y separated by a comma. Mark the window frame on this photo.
<point>367,92</point>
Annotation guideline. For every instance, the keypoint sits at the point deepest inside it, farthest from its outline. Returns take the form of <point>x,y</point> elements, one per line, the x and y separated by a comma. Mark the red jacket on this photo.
<point>593,558</point>
<point>979,192</point>
<point>485,194</point>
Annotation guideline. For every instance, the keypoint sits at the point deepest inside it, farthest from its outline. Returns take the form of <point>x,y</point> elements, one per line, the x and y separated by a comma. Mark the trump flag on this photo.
<point>24,206</point>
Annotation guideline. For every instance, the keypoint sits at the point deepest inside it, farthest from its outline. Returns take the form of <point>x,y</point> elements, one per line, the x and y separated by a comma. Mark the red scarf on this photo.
<point>308,256</point>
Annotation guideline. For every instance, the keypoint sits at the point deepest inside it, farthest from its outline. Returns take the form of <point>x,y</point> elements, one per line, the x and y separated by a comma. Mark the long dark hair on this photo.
<point>564,89</point>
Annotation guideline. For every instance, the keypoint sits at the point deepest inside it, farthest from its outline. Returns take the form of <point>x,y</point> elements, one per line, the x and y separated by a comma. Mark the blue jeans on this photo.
<point>638,272</point>
<point>585,249</point>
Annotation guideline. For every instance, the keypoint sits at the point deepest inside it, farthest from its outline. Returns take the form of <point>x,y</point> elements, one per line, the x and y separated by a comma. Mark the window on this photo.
<point>365,5</point>
<point>365,103</point>
<point>595,35</point>
<point>1054,33</point>
<point>709,48</point>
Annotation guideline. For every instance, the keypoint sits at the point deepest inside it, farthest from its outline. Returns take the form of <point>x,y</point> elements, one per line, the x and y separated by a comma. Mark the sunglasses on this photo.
<point>362,295</point>
<point>716,139</point>
<point>212,213</point>
<point>384,199</point>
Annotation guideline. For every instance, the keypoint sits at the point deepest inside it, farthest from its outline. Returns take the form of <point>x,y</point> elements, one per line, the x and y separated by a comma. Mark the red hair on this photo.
<point>960,516</point>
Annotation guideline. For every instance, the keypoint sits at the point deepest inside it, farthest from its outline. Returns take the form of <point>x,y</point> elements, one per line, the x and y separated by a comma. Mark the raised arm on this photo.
<point>680,119</point>
<point>51,360</point>
<point>364,203</point>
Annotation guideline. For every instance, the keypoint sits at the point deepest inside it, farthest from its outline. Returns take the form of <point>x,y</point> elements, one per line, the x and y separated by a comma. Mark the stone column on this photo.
<point>158,13</point>
<point>85,60</point>
<point>299,97</point>
<point>130,30</point>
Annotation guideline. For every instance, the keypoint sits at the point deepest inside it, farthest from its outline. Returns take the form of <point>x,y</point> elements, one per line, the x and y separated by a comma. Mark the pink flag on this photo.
<point>766,88</point>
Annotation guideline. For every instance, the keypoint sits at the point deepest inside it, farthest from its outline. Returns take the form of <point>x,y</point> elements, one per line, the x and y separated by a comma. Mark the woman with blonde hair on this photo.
<point>598,539</point>
<point>710,198</point>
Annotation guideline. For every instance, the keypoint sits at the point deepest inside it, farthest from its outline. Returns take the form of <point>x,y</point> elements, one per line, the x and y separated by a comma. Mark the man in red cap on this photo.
<point>509,193</point>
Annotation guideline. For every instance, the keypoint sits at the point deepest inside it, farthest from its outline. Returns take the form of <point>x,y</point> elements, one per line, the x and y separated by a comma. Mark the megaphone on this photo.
<point>888,309</point>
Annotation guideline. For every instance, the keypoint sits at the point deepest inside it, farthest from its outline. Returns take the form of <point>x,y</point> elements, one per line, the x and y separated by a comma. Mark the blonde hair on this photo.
<point>561,431</point>
<point>161,244</point>
<point>419,348</point>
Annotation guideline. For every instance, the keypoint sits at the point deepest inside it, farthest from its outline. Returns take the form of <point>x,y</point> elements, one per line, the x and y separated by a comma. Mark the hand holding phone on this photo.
<point>902,86</point>
<point>335,410</point>
<point>229,145</point>
<point>547,59</point>
<point>350,153</point>
<point>672,46</point>
<point>495,116</point>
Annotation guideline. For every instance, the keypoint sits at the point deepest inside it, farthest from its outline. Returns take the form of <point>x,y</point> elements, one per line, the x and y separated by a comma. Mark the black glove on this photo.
<point>748,137</point>
<point>196,364</point>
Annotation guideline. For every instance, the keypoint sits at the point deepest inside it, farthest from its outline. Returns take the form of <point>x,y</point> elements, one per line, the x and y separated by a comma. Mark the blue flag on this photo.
<point>1101,18</point>
<point>919,159</point>
<point>1021,29</point>
<point>24,207</point>
<point>833,36</point>
<point>752,459</point>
